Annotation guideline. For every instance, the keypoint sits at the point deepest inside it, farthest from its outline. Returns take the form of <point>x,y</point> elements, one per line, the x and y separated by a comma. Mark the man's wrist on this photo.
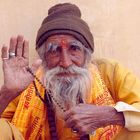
<point>112,117</point>
<point>4,100</point>
<point>7,94</point>
<point>116,117</point>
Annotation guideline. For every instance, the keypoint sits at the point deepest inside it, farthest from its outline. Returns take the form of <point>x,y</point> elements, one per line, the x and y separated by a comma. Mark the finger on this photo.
<point>69,113</point>
<point>71,123</point>
<point>26,49</point>
<point>13,43</point>
<point>4,52</point>
<point>82,130</point>
<point>87,129</point>
<point>82,133</point>
<point>36,65</point>
<point>19,47</point>
<point>75,119</point>
<point>78,129</point>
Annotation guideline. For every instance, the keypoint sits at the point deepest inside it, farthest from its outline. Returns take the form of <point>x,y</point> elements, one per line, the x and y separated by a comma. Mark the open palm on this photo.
<point>15,64</point>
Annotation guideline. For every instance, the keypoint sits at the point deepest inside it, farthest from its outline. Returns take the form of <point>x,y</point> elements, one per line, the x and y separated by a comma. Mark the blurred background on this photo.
<point>115,25</point>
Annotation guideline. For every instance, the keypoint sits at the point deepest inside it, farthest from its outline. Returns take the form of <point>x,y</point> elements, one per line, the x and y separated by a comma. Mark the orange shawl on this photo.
<point>30,115</point>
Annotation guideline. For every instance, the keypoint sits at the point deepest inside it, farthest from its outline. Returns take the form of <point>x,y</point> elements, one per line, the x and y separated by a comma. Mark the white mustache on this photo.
<point>71,70</point>
<point>66,89</point>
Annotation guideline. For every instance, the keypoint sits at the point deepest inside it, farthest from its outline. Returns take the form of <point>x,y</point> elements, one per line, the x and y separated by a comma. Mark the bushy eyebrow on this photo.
<point>77,43</point>
<point>52,47</point>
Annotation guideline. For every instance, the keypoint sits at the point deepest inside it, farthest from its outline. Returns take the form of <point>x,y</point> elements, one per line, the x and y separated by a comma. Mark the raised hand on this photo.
<point>15,64</point>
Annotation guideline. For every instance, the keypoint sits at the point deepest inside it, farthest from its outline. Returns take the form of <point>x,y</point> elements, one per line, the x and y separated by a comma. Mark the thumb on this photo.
<point>36,65</point>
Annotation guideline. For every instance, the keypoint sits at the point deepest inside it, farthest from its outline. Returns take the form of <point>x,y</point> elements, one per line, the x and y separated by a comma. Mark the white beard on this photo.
<point>68,89</point>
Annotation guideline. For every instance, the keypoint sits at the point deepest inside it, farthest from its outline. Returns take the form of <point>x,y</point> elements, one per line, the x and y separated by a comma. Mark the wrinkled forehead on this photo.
<point>61,38</point>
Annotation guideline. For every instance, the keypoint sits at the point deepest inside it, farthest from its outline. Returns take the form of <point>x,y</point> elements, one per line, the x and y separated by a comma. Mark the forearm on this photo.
<point>94,116</point>
<point>4,100</point>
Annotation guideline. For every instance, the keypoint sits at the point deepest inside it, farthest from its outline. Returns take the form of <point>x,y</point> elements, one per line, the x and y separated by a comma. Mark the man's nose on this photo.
<point>65,60</point>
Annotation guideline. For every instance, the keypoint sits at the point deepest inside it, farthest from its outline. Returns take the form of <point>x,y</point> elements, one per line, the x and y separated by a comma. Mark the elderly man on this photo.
<point>64,95</point>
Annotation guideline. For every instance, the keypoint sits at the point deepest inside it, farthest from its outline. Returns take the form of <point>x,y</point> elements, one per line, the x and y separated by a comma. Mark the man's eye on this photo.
<point>52,51</point>
<point>55,50</point>
<point>75,47</point>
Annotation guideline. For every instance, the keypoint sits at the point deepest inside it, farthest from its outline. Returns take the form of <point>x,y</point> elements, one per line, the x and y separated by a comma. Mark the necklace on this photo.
<point>51,114</point>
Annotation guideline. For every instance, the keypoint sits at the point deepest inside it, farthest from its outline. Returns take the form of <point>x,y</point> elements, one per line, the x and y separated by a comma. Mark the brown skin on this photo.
<point>85,118</point>
<point>16,77</point>
<point>65,55</point>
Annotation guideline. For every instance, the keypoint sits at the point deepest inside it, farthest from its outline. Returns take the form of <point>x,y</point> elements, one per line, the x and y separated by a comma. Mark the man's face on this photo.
<point>64,51</point>
<point>66,73</point>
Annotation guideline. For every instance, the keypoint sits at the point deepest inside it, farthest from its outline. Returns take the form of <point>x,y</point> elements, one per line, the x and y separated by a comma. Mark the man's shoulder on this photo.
<point>105,63</point>
<point>109,67</point>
